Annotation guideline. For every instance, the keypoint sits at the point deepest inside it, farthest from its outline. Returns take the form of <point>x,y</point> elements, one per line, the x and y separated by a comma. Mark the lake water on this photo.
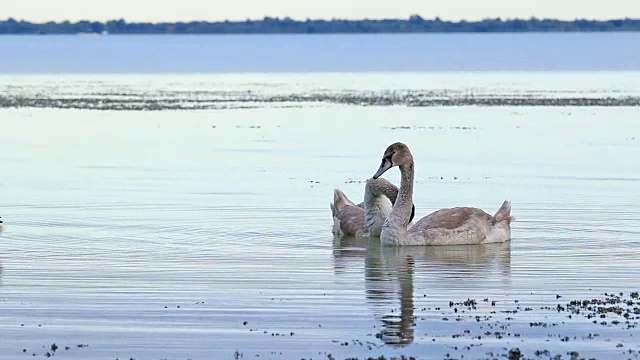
<point>202,230</point>
<point>320,53</point>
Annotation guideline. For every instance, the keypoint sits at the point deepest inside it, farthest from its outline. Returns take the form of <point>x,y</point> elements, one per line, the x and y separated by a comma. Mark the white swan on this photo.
<point>366,218</point>
<point>1,225</point>
<point>454,226</point>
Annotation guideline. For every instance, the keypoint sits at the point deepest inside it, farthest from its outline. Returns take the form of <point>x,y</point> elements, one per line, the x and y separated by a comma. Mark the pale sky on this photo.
<point>211,10</point>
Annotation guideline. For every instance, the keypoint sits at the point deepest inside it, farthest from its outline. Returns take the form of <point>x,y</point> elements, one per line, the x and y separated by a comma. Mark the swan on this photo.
<point>1,226</point>
<point>366,218</point>
<point>452,226</point>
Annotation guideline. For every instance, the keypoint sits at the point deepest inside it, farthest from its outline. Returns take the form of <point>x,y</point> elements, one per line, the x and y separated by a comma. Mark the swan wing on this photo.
<point>452,226</point>
<point>351,220</point>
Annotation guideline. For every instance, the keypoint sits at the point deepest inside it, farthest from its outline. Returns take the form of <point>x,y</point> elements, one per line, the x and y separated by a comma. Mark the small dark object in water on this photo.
<point>54,347</point>
<point>515,354</point>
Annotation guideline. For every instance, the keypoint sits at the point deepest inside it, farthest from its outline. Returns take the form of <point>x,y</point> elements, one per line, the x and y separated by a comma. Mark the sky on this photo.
<point>212,10</point>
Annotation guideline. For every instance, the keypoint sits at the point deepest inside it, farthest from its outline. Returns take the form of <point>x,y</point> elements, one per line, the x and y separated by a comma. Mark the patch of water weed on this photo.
<point>52,349</point>
<point>625,310</point>
<point>183,100</point>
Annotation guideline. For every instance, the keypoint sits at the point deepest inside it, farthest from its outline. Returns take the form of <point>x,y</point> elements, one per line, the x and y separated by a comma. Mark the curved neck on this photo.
<point>390,191</point>
<point>380,187</point>
<point>401,212</point>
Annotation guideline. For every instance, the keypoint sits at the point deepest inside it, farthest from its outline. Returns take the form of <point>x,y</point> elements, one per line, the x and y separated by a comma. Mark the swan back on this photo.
<point>350,221</point>
<point>458,226</point>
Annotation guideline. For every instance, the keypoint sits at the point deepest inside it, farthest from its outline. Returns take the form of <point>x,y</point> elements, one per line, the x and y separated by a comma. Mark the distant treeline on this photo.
<point>415,24</point>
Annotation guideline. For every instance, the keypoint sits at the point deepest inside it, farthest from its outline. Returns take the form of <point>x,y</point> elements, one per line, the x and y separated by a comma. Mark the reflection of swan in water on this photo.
<point>390,275</point>
<point>346,250</point>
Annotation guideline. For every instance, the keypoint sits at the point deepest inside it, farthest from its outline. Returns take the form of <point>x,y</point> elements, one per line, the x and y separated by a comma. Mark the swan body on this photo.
<point>1,225</point>
<point>452,226</point>
<point>368,217</point>
<point>348,218</point>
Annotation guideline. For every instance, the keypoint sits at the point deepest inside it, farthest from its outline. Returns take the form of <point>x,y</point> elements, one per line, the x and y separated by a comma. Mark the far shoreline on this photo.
<point>415,24</point>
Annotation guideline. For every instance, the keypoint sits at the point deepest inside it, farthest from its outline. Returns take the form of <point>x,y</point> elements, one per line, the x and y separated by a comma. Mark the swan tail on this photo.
<point>504,213</point>
<point>340,201</point>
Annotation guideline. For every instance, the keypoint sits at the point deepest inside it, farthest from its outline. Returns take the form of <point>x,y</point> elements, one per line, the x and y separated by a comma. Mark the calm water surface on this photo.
<point>615,51</point>
<point>196,234</point>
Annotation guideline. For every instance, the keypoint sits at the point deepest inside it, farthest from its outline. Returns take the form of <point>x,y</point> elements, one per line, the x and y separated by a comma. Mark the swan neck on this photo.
<point>402,206</point>
<point>379,187</point>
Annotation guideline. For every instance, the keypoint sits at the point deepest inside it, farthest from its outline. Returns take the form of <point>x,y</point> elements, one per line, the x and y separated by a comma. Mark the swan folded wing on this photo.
<point>453,226</point>
<point>351,220</point>
<point>453,218</point>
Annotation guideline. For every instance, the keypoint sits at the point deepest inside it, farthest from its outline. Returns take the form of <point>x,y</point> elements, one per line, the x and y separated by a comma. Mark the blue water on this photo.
<point>320,53</point>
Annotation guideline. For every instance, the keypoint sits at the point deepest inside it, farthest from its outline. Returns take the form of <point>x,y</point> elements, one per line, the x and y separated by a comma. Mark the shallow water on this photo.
<point>154,235</point>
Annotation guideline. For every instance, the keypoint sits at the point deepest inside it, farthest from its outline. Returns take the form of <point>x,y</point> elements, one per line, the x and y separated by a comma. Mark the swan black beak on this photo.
<point>386,165</point>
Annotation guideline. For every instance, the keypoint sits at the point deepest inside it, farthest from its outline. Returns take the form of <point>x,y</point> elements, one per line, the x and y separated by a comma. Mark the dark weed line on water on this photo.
<point>146,102</point>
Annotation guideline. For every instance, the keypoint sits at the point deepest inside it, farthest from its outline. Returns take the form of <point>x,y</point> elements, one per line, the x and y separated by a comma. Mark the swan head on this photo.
<point>396,154</point>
